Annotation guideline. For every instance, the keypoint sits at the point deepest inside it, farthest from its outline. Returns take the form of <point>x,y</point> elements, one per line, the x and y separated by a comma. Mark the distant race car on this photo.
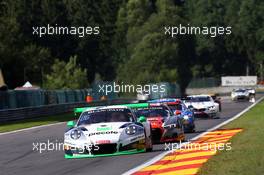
<point>143,96</point>
<point>242,94</point>
<point>179,108</point>
<point>165,125</point>
<point>203,106</point>
<point>105,131</point>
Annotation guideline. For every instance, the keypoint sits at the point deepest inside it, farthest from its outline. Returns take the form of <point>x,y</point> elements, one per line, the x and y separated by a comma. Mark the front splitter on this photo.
<point>78,156</point>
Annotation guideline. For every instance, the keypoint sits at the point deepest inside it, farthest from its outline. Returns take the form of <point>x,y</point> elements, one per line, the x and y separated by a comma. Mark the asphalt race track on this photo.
<point>17,155</point>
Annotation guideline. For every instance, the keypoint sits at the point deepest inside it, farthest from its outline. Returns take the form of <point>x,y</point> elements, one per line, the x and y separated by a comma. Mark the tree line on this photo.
<point>132,46</point>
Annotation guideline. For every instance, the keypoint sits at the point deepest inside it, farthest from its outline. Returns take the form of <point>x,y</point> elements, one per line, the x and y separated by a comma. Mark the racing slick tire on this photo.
<point>182,135</point>
<point>149,144</point>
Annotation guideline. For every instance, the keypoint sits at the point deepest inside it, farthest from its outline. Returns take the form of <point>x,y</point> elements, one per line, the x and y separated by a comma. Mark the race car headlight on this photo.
<point>130,130</point>
<point>186,117</point>
<point>76,134</point>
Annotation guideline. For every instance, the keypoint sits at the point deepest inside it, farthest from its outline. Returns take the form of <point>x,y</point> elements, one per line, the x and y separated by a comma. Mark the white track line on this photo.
<point>34,127</point>
<point>160,156</point>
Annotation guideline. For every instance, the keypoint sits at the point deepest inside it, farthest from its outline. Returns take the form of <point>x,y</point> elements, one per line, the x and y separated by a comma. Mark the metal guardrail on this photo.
<point>13,99</point>
<point>35,112</point>
<point>47,110</point>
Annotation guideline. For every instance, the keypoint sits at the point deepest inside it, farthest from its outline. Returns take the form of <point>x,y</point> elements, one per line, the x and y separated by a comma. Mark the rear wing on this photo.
<point>163,100</point>
<point>78,111</point>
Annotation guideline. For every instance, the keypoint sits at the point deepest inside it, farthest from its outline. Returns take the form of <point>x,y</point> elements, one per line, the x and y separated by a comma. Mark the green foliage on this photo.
<point>152,56</point>
<point>66,75</point>
<point>132,46</point>
<point>35,55</point>
<point>228,55</point>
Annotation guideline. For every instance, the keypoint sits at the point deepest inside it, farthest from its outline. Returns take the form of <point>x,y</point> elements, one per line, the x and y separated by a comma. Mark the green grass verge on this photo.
<point>11,126</point>
<point>247,154</point>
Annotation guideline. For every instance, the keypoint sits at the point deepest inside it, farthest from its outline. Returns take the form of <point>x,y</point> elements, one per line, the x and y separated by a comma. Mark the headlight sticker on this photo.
<point>76,134</point>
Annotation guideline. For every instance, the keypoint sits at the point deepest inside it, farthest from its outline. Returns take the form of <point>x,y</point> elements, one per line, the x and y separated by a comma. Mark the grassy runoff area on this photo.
<point>247,154</point>
<point>11,126</point>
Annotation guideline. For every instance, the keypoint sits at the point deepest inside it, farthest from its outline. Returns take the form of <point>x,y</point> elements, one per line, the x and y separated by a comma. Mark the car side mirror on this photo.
<point>177,112</point>
<point>142,119</point>
<point>71,124</point>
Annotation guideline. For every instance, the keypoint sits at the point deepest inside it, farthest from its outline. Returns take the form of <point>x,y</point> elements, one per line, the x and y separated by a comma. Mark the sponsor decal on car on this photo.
<point>102,141</point>
<point>104,128</point>
<point>103,132</point>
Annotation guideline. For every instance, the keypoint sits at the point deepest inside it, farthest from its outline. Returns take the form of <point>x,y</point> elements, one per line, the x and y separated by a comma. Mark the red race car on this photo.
<point>165,125</point>
<point>179,109</point>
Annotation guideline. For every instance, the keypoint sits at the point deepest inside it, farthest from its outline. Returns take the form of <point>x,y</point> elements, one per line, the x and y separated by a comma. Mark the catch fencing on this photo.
<point>13,99</point>
<point>24,104</point>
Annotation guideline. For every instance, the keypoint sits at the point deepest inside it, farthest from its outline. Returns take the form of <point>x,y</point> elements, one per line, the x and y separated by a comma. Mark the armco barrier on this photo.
<point>35,112</point>
<point>47,110</point>
<point>32,98</point>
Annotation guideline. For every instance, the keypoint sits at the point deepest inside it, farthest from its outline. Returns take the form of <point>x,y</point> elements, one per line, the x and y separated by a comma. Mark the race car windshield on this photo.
<point>201,99</point>
<point>105,116</point>
<point>153,112</point>
<point>176,107</point>
<point>240,90</point>
<point>188,99</point>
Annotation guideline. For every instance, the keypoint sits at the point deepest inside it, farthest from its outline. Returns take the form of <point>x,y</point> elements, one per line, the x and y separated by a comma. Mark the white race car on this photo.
<point>105,131</point>
<point>143,96</point>
<point>202,106</point>
<point>242,94</point>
